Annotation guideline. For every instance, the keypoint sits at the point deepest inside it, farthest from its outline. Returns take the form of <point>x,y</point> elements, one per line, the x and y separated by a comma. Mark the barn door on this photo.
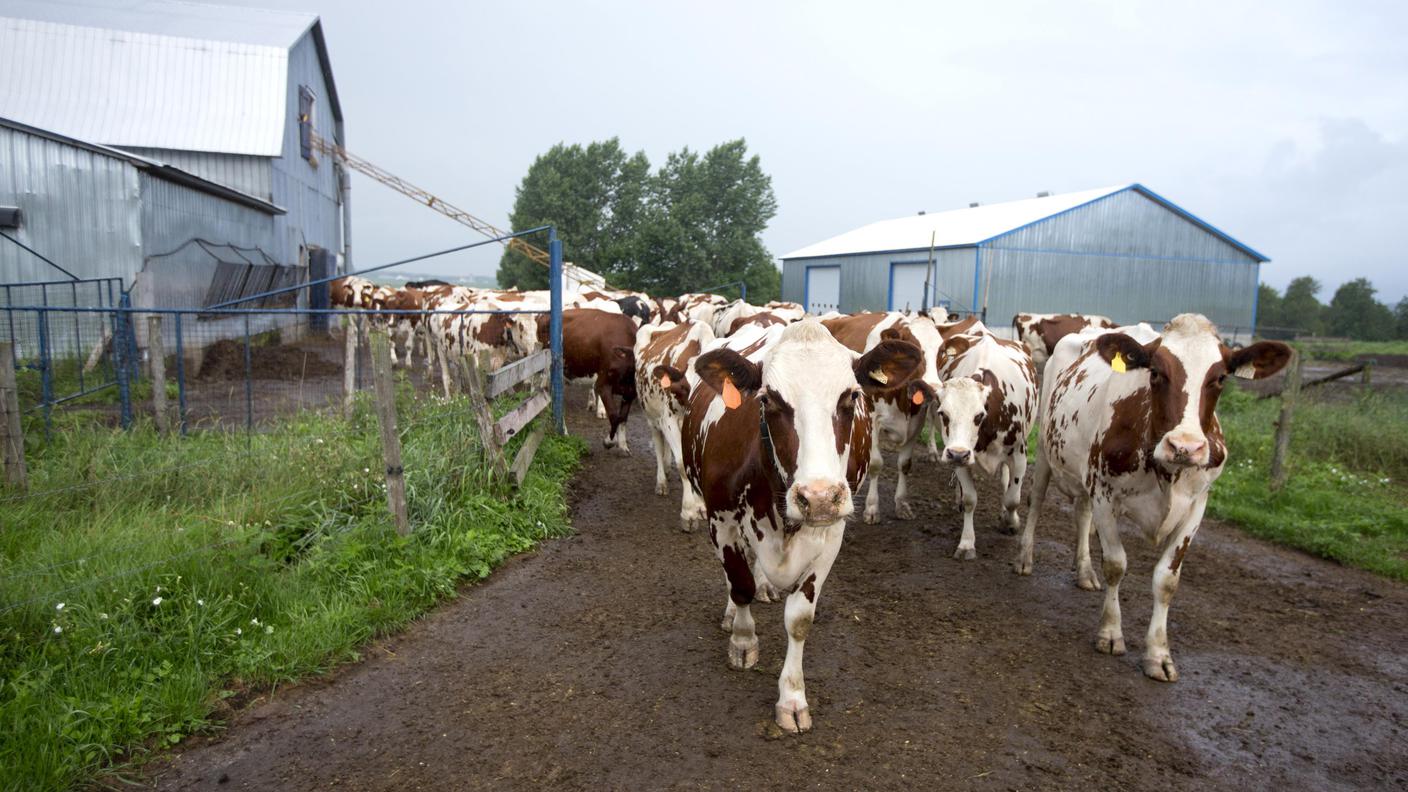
<point>823,289</point>
<point>907,286</point>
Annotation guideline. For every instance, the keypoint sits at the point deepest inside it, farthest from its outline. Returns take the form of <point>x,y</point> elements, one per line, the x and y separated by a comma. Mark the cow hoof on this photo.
<point>965,553</point>
<point>662,488</point>
<point>904,511</point>
<point>1111,645</point>
<point>1089,582</point>
<point>767,592</point>
<point>742,657</point>
<point>1022,566</point>
<point>619,450</point>
<point>1160,668</point>
<point>794,721</point>
<point>1008,525</point>
<point>871,516</point>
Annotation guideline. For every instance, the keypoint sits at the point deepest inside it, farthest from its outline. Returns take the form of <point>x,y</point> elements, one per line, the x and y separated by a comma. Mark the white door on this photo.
<point>823,289</point>
<point>907,286</point>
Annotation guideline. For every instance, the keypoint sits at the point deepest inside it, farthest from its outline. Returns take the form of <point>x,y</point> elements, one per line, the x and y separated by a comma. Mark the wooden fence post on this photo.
<point>349,364</point>
<point>390,438</point>
<point>438,344</point>
<point>156,351</point>
<point>483,417</point>
<point>11,431</point>
<point>1290,393</point>
<point>1368,372</point>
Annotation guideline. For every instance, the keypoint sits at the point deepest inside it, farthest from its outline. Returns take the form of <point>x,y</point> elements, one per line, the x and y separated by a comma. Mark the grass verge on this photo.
<point>161,576</point>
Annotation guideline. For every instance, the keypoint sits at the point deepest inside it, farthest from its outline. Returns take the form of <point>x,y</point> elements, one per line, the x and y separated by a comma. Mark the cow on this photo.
<point>425,284</point>
<point>405,328</point>
<point>986,404</point>
<point>763,319</point>
<point>775,440</point>
<point>636,308</point>
<point>663,354</point>
<point>899,413</point>
<point>599,346</point>
<point>1040,332</point>
<point>1130,430</point>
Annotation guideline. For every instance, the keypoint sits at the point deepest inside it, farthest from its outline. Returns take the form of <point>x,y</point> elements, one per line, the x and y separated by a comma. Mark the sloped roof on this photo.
<point>153,73</point>
<point>979,224</point>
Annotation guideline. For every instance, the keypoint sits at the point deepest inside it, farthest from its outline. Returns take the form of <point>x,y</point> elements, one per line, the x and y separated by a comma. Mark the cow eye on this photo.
<point>1221,378</point>
<point>978,419</point>
<point>855,395</point>
<point>763,399</point>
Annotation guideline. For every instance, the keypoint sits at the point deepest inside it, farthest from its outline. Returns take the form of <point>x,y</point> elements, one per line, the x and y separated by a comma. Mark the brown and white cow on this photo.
<point>899,412</point>
<point>663,354</point>
<point>986,405</point>
<point>1131,431</point>
<point>776,446</point>
<point>1040,332</point>
<point>597,345</point>
<point>405,328</point>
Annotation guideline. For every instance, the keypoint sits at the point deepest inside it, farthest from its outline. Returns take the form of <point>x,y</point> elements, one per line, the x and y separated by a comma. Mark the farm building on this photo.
<point>1124,252</point>
<point>167,143</point>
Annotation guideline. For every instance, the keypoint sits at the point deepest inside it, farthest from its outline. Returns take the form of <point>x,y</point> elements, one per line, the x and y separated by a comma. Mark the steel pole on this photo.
<point>559,416</point>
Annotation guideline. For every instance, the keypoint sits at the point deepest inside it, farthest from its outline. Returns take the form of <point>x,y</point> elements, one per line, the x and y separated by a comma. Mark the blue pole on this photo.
<point>559,416</point>
<point>119,352</point>
<point>77,336</point>
<point>180,375</point>
<point>743,291</point>
<point>248,384</point>
<point>46,389</point>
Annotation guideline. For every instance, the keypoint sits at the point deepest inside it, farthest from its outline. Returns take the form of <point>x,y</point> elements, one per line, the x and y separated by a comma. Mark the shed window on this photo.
<point>305,124</point>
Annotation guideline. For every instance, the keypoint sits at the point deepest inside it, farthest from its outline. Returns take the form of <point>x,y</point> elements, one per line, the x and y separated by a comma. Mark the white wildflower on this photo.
<point>60,606</point>
<point>239,631</point>
<point>156,601</point>
<point>200,602</point>
<point>103,616</point>
<point>320,441</point>
<point>58,630</point>
<point>255,622</point>
<point>268,629</point>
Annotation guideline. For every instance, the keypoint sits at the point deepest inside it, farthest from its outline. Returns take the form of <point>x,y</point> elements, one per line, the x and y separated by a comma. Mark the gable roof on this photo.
<point>980,224</point>
<point>154,73</point>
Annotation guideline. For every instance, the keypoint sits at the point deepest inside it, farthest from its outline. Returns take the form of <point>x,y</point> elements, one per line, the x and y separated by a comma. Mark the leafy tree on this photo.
<point>1354,312</point>
<point>1400,314</point>
<point>1270,312</point>
<point>593,194</point>
<point>1301,307</point>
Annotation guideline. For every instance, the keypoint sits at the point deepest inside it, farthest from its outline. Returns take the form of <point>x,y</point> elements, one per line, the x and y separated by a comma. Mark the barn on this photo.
<point>167,144</point>
<point>1125,252</point>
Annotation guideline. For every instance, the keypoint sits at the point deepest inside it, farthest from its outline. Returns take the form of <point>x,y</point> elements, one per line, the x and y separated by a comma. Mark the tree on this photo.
<point>1354,312</point>
<point>1270,312</point>
<point>1400,313</point>
<point>594,195</point>
<point>1301,307</point>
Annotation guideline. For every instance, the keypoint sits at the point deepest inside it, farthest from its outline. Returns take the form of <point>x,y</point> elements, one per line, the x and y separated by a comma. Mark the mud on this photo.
<point>597,663</point>
<point>224,360</point>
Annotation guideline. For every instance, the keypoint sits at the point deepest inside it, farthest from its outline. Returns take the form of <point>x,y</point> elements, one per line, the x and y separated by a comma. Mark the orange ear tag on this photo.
<point>732,398</point>
<point>665,381</point>
<point>918,397</point>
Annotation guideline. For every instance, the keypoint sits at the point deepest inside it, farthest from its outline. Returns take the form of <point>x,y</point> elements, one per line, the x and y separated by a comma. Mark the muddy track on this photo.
<point>597,663</point>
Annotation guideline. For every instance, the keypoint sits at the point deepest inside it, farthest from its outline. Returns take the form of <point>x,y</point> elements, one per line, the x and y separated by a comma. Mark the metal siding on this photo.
<point>794,281</point>
<point>81,209</point>
<point>865,280</point>
<point>173,216</point>
<point>308,193</point>
<point>245,173</point>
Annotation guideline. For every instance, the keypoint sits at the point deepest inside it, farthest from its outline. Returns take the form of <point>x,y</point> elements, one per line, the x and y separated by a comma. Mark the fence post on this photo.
<point>46,382</point>
<point>1290,392</point>
<point>156,350</point>
<point>11,431</point>
<point>437,344</point>
<point>349,363</point>
<point>559,415</point>
<point>390,438</point>
<point>248,382</point>
<point>1368,372</point>
<point>180,376</point>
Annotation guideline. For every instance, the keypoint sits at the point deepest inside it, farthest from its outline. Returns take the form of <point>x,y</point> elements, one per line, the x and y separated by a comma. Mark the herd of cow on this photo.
<point>774,418</point>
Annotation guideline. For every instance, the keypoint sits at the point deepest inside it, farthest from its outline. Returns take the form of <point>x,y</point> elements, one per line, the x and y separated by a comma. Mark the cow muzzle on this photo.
<point>958,455</point>
<point>1184,450</point>
<point>819,502</point>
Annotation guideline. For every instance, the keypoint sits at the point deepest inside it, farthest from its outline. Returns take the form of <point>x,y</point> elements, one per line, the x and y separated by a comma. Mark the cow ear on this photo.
<point>921,394</point>
<point>1258,361</point>
<point>1123,353</point>
<point>889,334</point>
<point>954,347</point>
<point>730,374</point>
<point>672,381</point>
<point>889,365</point>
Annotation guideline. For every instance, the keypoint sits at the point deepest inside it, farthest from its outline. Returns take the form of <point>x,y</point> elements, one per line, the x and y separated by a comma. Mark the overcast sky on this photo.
<point>1285,124</point>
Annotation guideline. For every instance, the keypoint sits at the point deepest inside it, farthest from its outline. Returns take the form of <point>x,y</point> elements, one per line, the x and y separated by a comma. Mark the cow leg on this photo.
<point>1110,637</point>
<point>1085,571</point>
<point>691,502</point>
<point>902,507</point>
<point>743,638</point>
<point>872,495</point>
<point>657,439</point>
<point>967,549</point>
<point>791,711</point>
<point>931,453</point>
<point>1158,660</point>
<point>600,408</point>
<point>1035,500</point>
<point>1013,472</point>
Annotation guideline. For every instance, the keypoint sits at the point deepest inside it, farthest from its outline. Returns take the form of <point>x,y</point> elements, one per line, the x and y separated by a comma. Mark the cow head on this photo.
<point>810,396</point>
<point>1186,369</point>
<point>963,405</point>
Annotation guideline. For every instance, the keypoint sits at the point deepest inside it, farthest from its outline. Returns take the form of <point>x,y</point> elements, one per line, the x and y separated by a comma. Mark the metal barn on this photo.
<point>223,196</point>
<point>1124,252</point>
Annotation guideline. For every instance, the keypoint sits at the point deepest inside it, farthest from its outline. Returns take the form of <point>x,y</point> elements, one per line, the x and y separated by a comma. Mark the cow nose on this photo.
<point>957,456</point>
<point>821,500</point>
<point>1185,448</point>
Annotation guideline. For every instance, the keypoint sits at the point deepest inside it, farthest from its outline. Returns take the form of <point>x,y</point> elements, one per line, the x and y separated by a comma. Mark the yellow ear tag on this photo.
<point>879,376</point>
<point>732,398</point>
<point>918,397</point>
<point>665,381</point>
<point>1118,363</point>
<point>1245,371</point>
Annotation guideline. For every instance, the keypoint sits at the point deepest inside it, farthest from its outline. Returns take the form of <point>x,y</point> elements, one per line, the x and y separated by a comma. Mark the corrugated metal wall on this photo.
<point>81,209</point>
<point>308,193</point>
<point>865,280</point>
<point>177,272</point>
<point>248,174</point>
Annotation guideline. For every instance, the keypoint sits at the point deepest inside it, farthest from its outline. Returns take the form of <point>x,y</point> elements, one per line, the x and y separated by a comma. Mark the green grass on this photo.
<point>1350,350</point>
<point>1347,495</point>
<point>163,576</point>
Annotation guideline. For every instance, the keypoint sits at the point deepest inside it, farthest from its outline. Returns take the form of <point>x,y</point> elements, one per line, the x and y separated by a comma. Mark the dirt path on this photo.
<point>597,663</point>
